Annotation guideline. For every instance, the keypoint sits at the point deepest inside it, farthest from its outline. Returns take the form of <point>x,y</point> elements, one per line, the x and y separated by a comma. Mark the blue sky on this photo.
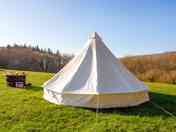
<point>128,27</point>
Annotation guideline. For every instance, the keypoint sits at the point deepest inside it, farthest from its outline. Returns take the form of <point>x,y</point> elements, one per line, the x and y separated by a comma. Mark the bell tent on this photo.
<point>95,79</point>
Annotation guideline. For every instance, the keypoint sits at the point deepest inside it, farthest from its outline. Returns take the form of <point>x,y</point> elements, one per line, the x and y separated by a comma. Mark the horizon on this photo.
<point>126,27</point>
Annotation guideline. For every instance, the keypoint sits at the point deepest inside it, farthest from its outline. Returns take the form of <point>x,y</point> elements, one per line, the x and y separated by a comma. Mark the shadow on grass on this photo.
<point>34,88</point>
<point>168,102</point>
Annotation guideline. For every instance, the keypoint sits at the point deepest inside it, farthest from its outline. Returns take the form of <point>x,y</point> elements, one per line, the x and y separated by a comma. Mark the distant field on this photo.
<point>24,110</point>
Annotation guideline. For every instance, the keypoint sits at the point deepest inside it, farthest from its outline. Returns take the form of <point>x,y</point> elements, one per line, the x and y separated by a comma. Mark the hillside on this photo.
<point>153,68</point>
<point>32,58</point>
<point>25,110</point>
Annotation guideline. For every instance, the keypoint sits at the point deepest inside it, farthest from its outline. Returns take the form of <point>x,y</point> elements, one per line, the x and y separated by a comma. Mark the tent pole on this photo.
<point>97,109</point>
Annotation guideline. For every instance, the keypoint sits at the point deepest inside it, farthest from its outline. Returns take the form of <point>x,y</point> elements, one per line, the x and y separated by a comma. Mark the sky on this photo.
<point>128,27</point>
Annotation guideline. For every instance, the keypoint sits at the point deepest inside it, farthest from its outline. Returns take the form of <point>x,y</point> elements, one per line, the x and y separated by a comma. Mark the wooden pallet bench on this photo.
<point>16,79</point>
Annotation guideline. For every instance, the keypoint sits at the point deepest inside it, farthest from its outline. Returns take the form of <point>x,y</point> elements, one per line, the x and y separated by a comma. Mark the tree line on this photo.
<point>32,58</point>
<point>152,68</point>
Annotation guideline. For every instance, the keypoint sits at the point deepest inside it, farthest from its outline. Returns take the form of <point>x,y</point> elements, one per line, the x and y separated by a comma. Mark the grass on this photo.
<point>24,110</point>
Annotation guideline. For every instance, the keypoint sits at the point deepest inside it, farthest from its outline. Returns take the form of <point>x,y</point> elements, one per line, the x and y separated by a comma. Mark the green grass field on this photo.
<point>24,110</point>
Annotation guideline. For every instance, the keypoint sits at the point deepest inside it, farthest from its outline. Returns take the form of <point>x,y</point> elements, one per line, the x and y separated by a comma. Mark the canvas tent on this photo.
<point>95,79</point>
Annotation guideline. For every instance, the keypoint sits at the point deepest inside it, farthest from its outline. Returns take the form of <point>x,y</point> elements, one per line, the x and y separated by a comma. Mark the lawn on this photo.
<point>24,110</point>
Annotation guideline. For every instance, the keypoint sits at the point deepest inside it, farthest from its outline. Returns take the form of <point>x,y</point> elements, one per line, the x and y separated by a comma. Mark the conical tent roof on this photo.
<point>95,70</point>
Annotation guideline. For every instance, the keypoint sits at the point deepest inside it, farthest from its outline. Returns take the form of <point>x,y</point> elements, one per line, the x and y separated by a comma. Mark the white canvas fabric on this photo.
<point>95,73</point>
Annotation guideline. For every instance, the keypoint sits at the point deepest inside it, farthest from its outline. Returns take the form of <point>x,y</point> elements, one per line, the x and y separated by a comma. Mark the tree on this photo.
<point>8,46</point>
<point>49,51</point>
